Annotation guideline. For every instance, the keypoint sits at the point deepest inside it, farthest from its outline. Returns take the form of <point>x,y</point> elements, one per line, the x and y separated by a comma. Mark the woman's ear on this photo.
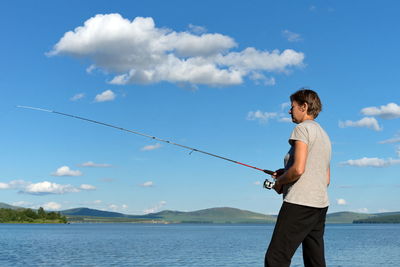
<point>304,107</point>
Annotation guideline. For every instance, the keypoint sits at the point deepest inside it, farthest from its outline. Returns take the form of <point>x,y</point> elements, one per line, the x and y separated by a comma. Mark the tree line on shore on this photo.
<point>30,216</point>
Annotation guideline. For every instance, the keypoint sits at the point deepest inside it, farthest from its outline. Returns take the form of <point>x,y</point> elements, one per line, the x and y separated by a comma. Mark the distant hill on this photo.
<point>218,215</point>
<point>392,217</point>
<point>215,215</point>
<point>7,206</point>
<point>212,215</point>
<point>346,217</point>
<point>91,212</point>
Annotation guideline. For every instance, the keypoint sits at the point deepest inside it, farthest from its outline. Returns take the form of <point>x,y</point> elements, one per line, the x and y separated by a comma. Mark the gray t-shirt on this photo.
<point>311,188</point>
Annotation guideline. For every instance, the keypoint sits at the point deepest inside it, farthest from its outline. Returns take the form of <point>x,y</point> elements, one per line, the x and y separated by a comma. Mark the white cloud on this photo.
<point>367,122</point>
<point>14,184</point>
<point>156,208</point>
<point>151,147</point>
<point>260,78</point>
<point>285,119</point>
<point>261,116</point>
<point>66,171</point>
<point>105,96</point>
<point>341,201</point>
<point>390,111</point>
<point>147,184</point>
<point>197,29</point>
<point>87,187</point>
<point>390,141</point>
<point>51,206</point>
<point>363,210</point>
<point>398,151</point>
<point>95,165</point>
<point>251,59</point>
<point>4,186</point>
<point>77,97</point>
<point>285,105</point>
<point>117,208</point>
<point>113,207</point>
<point>291,36</point>
<point>18,183</point>
<point>371,162</point>
<point>384,210</point>
<point>91,68</point>
<point>139,52</point>
<point>44,188</point>
<point>393,140</point>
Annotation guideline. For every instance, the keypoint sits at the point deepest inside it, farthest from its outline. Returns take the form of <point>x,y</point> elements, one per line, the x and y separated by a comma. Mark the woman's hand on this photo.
<point>277,186</point>
<point>278,173</point>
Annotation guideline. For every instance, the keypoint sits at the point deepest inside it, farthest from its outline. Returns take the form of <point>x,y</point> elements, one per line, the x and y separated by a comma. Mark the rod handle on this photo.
<point>269,172</point>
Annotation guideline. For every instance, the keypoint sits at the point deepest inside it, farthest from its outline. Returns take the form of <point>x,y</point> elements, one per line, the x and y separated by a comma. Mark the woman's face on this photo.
<point>297,112</point>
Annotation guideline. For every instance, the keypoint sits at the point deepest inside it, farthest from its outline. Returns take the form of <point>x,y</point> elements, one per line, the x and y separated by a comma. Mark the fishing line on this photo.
<point>267,184</point>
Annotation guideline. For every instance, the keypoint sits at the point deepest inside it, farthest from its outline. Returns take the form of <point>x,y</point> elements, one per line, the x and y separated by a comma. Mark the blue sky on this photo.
<point>214,75</point>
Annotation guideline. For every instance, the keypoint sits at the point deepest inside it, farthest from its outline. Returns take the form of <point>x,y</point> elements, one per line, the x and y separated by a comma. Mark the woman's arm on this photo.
<point>296,170</point>
<point>328,176</point>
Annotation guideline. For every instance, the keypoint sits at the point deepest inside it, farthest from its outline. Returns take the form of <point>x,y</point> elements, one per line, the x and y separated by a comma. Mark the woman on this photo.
<point>303,183</point>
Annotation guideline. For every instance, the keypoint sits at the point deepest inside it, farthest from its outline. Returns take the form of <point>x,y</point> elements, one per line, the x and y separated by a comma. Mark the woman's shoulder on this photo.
<point>308,124</point>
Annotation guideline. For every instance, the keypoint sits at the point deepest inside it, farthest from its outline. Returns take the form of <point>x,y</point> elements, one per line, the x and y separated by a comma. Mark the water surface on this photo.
<point>184,245</point>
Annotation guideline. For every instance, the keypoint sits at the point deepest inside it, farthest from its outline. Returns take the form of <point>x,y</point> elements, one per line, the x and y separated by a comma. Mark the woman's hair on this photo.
<point>311,98</point>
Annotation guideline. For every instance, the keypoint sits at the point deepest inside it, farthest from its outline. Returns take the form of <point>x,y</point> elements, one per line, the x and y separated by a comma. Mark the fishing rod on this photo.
<point>267,184</point>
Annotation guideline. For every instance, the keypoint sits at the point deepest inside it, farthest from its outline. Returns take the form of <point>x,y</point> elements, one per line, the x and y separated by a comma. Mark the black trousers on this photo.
<point>297,225</point>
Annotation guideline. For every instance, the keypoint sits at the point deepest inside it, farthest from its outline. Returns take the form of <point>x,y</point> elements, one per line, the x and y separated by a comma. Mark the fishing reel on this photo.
<point>268,184</point>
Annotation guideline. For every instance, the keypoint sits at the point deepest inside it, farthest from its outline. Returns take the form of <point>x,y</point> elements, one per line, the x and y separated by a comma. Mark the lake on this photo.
<point>349,245</point>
